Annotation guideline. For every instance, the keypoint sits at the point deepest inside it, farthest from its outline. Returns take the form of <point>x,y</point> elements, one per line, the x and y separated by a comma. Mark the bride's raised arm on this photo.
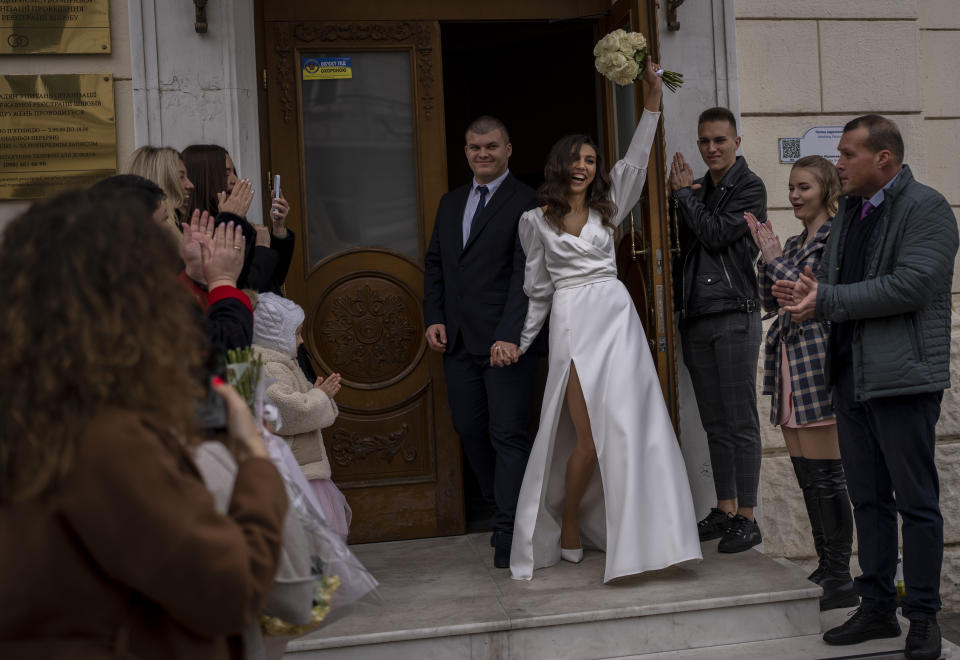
<point>630,172</point>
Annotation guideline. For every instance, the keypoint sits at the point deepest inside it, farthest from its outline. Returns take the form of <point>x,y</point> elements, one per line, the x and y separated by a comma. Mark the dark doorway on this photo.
<point>536,77</point>
<point>539,79</point>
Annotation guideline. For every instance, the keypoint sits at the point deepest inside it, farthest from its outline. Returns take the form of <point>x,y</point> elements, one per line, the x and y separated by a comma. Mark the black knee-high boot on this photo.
<point>813,512</point>
<point>836,516</point>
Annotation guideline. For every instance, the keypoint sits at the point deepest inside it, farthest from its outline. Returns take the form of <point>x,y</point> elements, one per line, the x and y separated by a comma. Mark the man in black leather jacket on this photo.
<point>715,291</point>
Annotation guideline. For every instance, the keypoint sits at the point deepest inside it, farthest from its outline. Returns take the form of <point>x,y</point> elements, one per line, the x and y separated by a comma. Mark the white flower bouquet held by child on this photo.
<point>621,57</point>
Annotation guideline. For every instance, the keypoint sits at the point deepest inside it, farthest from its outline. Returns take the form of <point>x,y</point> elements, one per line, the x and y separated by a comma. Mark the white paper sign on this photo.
<point>817,141</point>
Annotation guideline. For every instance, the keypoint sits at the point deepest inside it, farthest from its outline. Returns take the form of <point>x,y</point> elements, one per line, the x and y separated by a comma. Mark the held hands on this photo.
<point>504,353</point>
<point>681,174</point>
<point>437,337</point>
<point>329,385</point>
<point>278,216</point>
<point>763,236</point>
<point>800,297</point>
<point>238,202</point>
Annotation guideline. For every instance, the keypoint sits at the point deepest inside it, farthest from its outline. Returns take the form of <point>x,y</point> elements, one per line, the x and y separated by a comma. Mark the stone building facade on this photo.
<point>818,63</point>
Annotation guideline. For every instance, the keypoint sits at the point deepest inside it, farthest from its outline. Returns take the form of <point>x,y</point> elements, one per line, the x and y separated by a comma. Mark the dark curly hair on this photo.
<point>92,315</point>
<point>556,183</point>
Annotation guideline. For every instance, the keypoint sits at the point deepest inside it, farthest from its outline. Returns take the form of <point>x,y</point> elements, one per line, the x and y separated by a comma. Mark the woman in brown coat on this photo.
<point>110,545</point>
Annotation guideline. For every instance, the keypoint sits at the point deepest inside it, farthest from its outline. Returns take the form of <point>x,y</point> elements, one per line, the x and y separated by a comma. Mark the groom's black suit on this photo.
<point>476,290</point>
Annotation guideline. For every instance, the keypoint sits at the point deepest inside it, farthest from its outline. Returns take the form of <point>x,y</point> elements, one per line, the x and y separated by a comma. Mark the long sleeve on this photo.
<point>781,268</point>
<point>433,293</point>
<point>536,280</point>
<point>718,230</point>
<point>153,527</point>
<point>629,173</point>
<point>284,249</point>
<point>925,255</point>
<point>511,323</point>
<point>299,412</point>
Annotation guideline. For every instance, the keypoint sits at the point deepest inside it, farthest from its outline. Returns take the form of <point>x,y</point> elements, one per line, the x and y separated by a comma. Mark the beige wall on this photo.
<point>808,63</point>
<point>117,63</point>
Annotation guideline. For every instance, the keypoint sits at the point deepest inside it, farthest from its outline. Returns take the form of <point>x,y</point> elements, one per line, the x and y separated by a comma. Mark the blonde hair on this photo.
<point>826,175</point>
<point>159,164</point>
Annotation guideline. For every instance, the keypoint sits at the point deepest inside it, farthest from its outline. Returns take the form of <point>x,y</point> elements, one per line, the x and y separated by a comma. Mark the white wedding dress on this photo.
<point>638,506</point>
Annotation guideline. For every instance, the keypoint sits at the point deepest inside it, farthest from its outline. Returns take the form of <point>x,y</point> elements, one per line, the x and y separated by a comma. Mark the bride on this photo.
<point>602,403</point>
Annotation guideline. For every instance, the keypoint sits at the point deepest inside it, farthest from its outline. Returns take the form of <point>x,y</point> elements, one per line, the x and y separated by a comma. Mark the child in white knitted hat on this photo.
<point>304,407</point>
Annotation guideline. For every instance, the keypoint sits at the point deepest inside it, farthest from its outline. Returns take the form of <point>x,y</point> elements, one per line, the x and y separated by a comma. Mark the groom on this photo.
<point>474,305</point>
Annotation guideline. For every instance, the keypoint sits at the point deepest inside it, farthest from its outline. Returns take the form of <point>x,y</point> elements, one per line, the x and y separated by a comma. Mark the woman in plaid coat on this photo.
<point>794,356</point>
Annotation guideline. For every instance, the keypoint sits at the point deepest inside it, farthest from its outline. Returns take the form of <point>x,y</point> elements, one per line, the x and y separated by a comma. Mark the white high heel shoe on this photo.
<point>574,556</point>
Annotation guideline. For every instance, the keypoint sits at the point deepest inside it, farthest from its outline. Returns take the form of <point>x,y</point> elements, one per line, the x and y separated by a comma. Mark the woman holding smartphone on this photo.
<point>219,191</point>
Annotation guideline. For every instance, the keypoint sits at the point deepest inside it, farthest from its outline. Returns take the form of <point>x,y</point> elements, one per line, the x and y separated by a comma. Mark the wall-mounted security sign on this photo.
<point>54,26</point>
<point>817,141</point>
<point>326,68</point>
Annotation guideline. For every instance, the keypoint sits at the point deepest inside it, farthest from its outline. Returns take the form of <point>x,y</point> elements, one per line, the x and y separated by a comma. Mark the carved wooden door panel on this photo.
<point>643,248</point>
<point>356,132</point>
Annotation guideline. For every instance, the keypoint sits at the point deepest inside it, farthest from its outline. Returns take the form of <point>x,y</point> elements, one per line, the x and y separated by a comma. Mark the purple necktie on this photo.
<point>865,211</point>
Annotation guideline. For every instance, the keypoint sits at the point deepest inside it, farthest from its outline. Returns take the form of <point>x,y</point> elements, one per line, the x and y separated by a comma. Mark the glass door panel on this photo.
<point>359,157</point>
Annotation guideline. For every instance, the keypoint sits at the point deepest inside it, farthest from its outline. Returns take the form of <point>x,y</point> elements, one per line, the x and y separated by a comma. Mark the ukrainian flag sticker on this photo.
<point>326,68</point>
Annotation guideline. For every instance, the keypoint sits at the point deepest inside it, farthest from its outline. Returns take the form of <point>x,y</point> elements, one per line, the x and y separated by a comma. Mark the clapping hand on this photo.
<point>196,233</point>
<point>237,202</point>
<point>802,303</point>
<point>504,353</point>
<point>329,385</point>
<point>681,174</point>
<point>223,256</point>
<point>764,237</point>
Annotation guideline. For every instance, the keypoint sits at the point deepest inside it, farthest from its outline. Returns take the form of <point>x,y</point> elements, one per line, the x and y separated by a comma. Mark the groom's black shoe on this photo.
<point>863,626</point>
<point>714,525</point>
<point>501,557</point>
<point>501,542</point>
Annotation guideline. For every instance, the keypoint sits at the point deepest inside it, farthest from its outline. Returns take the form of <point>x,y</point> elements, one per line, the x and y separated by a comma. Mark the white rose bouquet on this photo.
<point>621,56</point>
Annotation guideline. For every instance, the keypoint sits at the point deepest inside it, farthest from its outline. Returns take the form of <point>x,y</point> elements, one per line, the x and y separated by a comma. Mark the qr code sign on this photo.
<point>789,150</point>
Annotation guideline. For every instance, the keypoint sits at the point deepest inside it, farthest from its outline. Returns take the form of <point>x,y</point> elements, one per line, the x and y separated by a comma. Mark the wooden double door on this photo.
<point>355,115</point>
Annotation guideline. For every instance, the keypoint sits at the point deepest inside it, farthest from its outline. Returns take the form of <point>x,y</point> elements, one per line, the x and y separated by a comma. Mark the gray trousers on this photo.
<point>721,353</point>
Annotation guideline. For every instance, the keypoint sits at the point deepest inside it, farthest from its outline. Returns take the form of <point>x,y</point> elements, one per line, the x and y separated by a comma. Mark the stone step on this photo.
<point>805,647</point>
<point>442,598</point>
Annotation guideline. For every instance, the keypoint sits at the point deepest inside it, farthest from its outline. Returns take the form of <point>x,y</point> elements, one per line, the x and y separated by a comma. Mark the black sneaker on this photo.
<point>863,626</point>
<point>714,525</point>
<point>742,534</point>
<point>923,640</point>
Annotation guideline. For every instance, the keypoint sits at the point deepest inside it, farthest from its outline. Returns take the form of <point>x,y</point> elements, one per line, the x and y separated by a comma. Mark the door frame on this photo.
<point>641,16</point>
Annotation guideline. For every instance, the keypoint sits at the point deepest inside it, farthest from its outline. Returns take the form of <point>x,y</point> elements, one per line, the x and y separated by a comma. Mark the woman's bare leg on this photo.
<point>819,442</point>
<point>582,463</point>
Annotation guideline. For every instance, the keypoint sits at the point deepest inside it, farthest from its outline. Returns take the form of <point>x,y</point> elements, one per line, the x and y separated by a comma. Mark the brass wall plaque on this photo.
<point>54,26</point>
<point>56,132</point>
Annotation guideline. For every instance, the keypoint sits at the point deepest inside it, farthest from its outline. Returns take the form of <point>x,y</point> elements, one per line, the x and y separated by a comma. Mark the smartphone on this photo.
<point>276,186</point>
<point>211,412</point>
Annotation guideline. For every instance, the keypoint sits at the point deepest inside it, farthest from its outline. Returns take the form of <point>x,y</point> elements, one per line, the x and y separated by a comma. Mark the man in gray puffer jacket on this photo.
<point>884,285</point>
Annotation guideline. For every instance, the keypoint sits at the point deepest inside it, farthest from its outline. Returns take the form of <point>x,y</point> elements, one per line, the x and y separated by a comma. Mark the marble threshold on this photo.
<point>446,591</point>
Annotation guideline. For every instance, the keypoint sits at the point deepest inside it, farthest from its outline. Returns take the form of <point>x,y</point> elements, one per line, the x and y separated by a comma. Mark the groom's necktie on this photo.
<point>864,210</point>
<point>483,190</point>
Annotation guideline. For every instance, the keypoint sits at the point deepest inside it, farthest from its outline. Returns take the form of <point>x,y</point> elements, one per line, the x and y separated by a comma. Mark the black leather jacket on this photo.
<point>715,270</point>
